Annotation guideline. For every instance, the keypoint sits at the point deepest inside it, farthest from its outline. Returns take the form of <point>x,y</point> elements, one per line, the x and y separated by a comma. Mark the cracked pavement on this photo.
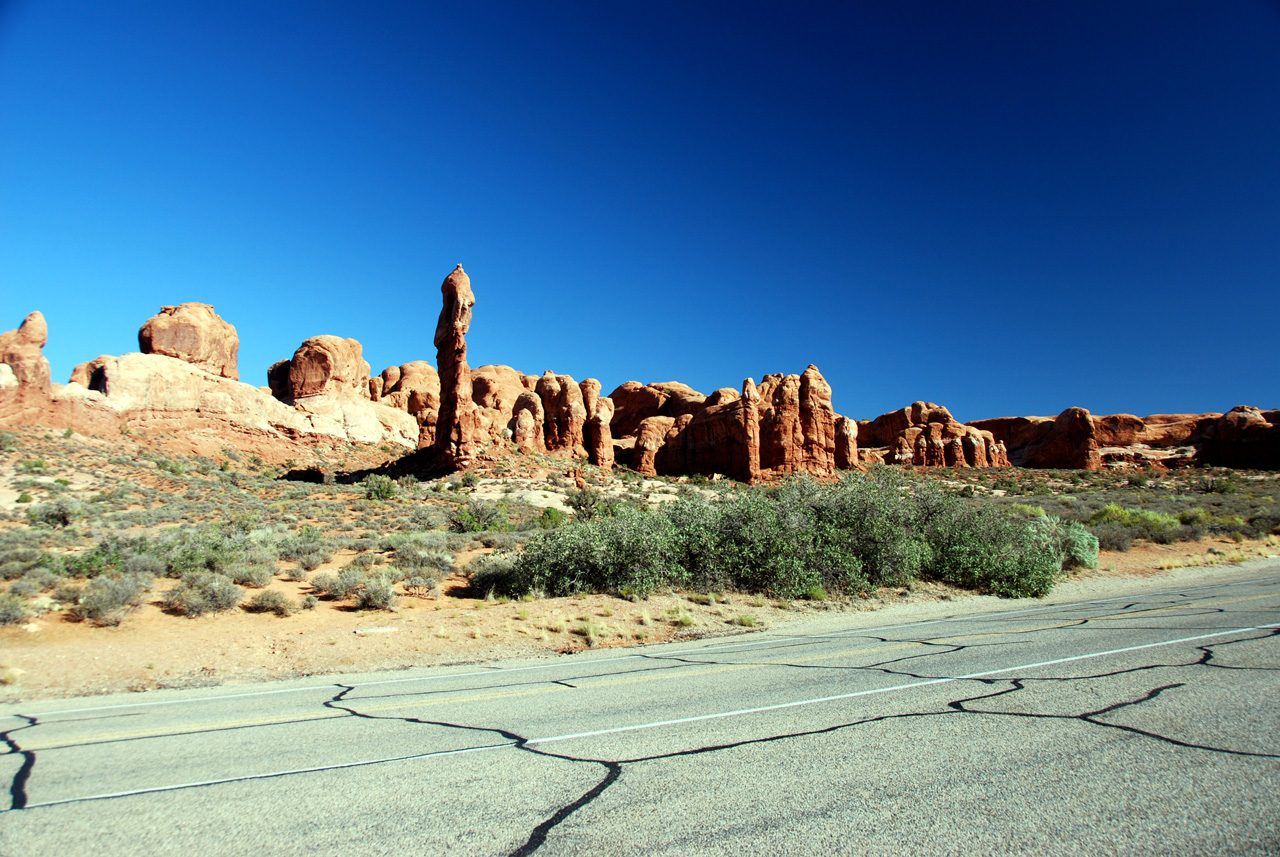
<point>1143,725</point>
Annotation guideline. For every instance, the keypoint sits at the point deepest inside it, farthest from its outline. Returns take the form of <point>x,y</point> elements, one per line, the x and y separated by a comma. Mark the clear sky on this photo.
<point>1003,207</point>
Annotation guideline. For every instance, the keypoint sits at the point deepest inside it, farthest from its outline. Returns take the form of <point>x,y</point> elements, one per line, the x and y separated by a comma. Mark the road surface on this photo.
<point>1137,725</point>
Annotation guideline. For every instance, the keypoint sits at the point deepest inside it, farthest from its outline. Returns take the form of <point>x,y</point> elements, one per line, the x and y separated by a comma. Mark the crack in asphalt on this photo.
<point>614,768</point>
<point>18,785</point>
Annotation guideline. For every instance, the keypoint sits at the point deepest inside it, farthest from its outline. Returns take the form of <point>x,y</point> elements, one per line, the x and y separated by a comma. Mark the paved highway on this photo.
<point>1137,725</point>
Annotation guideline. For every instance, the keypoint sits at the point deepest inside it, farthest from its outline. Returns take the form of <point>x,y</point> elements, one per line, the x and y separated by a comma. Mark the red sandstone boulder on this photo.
<point>322,365</point>
<point>634,402</point>
<point>195,334</point>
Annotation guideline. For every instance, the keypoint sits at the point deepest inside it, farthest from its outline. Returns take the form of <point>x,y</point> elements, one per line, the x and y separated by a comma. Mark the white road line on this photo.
<point>753,643</point>
<point>655,725</point>
<point>935,681</point>
<point>198,784</point>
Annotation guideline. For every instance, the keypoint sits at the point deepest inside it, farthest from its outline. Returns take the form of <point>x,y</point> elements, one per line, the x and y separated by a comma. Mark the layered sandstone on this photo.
<point>195,334</point>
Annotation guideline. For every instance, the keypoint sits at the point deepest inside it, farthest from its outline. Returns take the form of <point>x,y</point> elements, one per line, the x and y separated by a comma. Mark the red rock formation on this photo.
<point>926,435</point>
<point>634,402</point>
<point>22,351</point>
<point>599,439</point>
<point>414,388</point>
<point>459,433</point>
<point>1068,442</point>
<point>528,424</point>
<point>25,380</point>
<point>720,439</point>
<point>797,424</point>
<point>846,451</point>
<point>1244,437</point>
<point>324,365</point>
<point>194,333</point>
<point>566,414</point>
<point>650,437</point>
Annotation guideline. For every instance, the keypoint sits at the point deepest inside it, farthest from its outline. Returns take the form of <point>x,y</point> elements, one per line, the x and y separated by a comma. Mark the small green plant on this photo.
<point>379,487</point>
<point>24,497</point>
<point>378,593</point>
<point>13,609</point>
<point>815,593</point>
<point>470,479</point>
<point>746,620</point>
<point>107,600</point>
<point>271,601</point>
<point>204,592</point>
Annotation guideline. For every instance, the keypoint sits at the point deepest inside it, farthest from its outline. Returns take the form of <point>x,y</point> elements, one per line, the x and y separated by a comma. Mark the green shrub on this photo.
<point>477,516</point>
<point>1112,536</point>
<point>379,487</point>
<point>1077,546</point>
<point>272,601</point>
<point>378,593</point>
<point>252,576</point>
<point>469,479</point>
<point>13,609</point>
<point>59,513</point>
<point>204,592</point>
<point>551,518</point>
<point>107,600</point>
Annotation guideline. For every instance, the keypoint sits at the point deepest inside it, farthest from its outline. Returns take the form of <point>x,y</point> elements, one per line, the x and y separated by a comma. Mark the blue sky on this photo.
<point>1004,207</point>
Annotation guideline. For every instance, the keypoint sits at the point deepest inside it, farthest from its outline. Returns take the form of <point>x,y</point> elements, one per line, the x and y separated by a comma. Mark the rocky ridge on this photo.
<point>184,384</point>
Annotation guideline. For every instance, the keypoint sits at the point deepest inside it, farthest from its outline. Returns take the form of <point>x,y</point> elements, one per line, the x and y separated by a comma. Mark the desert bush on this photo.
<point>427,518</point>
<point>1112,536</point>
<point>272,601</point>
<point>107,600</point>
<point>56,513</point>
<point>379,487</point>
<point>494,574</point>
<point>13,609</point>
<point>551,518</point>
<point>253,576</point>
<point>204,592</point>
<point>143,565</point>
<point>1077,546</point>
<point>378,593</point>
<point>477,516</point>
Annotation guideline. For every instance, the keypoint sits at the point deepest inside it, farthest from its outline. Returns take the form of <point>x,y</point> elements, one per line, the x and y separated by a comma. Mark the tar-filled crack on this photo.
<point>18,785</point>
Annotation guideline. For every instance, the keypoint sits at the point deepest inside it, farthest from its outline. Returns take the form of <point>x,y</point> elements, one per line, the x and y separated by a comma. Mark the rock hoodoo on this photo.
<point>459,432</point>
<point>195,334</point>
<point>22,355</point>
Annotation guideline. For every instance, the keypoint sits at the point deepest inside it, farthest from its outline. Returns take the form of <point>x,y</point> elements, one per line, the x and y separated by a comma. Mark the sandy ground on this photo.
<point>55,656</point>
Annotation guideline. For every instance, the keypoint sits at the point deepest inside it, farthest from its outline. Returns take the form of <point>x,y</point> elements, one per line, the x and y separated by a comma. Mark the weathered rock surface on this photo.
<point>195,334</point>
<point>414,388</point>
<point>322,366</point>
<point>566,413</point>
<point>528,424</point>
<point>26,371</point>
<point>925,434</point>
<point>1244,438</point>
<point>599,438</point>
<point>634,402</point>
<point>797,424</point>
<point>460,433</point>
<point>154,393</point>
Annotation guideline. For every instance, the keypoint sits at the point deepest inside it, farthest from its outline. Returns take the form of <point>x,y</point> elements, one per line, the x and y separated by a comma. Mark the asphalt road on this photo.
<point>1143,725</point>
